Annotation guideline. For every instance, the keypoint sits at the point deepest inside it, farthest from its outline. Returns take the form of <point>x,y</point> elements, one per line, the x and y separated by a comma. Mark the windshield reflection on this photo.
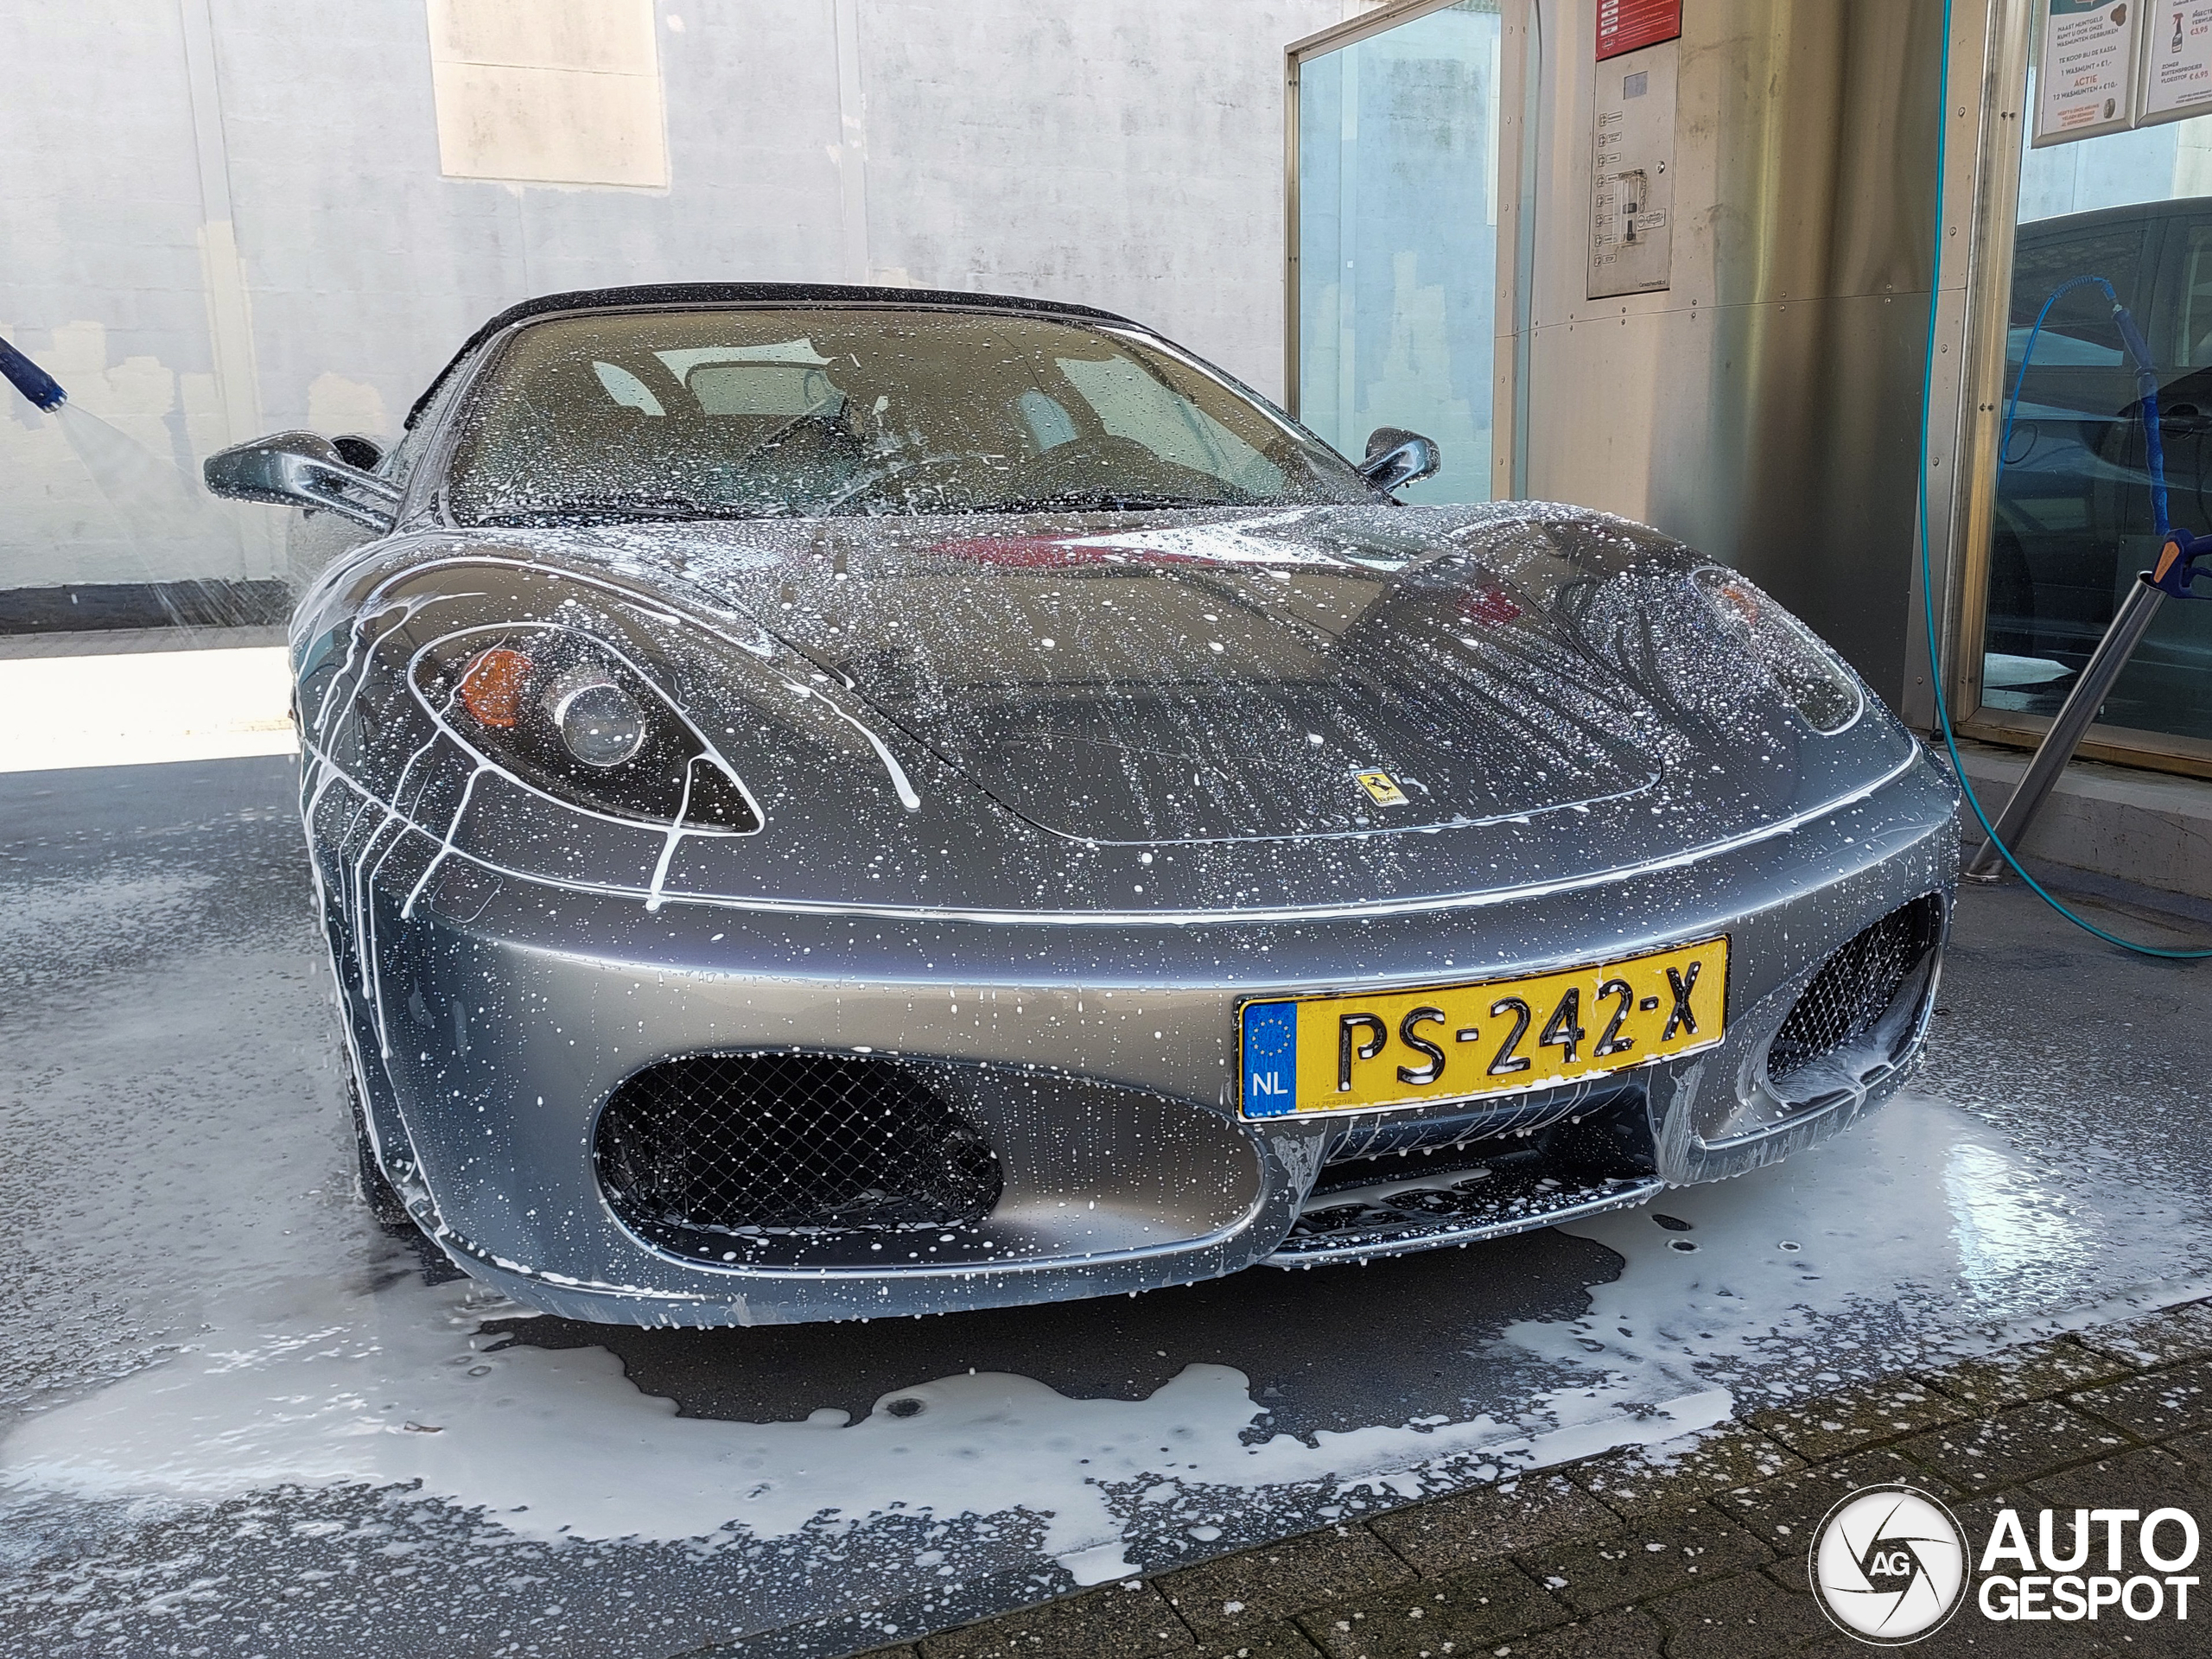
<point>744,413</point>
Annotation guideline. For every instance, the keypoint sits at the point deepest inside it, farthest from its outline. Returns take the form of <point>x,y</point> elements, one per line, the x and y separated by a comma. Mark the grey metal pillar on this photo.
<point>2074,718</point>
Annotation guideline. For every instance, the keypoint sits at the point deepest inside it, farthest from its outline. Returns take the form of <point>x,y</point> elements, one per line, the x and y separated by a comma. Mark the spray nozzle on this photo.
<point>2179,557</point>
<point>35,383</point>
<point>2131,337</point>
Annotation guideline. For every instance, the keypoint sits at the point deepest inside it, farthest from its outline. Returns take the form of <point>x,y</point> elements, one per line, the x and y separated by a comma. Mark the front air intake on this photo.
<point>1861,1015</point>
<point>692,1151</point>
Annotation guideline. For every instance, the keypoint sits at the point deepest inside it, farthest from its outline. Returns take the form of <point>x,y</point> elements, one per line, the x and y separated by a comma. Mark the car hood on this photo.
<point>1203,678</point>
<point>1550,690</point>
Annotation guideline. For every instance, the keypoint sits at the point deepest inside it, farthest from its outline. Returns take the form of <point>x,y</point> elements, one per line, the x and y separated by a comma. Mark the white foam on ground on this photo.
<point>322,1381</point>
<point>1923,1228</point>
<point>310,1384</point>
<point>133,709</point>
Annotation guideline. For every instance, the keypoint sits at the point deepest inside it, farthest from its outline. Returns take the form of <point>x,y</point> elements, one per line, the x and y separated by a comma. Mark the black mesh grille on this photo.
<point>722,1143</point>
<point>1855,988</point>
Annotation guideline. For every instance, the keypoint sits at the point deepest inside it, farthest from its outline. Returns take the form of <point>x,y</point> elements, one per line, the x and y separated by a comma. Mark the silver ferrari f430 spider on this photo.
<point>834,801</point>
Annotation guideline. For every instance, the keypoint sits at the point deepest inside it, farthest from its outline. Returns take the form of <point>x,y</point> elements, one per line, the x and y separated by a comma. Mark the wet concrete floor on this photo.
<point>233,1419</point>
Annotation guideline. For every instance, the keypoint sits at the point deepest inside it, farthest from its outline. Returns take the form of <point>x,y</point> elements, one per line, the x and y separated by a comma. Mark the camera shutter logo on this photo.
<point>1889,1564</point>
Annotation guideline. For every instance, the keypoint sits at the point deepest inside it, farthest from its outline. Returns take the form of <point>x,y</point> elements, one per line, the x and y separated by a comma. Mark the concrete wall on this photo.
<point>2136,827</point>
<point>225,217</point>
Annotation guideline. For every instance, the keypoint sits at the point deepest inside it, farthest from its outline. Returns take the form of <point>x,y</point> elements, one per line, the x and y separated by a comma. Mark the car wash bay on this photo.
<point>234,1417</point>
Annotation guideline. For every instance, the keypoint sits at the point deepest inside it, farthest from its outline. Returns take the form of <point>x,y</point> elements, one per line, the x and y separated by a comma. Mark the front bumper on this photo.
<point>491,1024</point>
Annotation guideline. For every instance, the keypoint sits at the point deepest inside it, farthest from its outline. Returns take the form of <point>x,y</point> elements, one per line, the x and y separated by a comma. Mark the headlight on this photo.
<point>1821,690</point>
<point>600,723</point>
<point>568,715</point>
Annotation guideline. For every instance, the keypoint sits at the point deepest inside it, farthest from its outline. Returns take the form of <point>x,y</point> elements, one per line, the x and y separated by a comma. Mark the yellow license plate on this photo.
<point>1367,1051</point>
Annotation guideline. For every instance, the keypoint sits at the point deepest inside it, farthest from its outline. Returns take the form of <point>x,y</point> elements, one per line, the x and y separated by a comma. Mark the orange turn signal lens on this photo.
<point>1738,598</point>
<point>492,685</point>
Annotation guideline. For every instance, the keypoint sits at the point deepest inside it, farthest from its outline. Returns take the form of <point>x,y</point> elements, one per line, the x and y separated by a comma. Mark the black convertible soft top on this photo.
<point>675,294</point>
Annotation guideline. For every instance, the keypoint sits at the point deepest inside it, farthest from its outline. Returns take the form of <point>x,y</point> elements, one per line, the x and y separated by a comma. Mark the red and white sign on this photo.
<point>1625,25</point>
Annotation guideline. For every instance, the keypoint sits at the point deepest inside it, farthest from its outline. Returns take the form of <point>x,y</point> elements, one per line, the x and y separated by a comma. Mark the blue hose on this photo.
<point>1927,568</point>
<point>35,383</point>
<point>2147,391</point>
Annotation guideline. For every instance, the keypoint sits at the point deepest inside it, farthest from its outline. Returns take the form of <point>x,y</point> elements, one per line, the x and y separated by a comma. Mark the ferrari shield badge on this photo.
<point>1381,787</point>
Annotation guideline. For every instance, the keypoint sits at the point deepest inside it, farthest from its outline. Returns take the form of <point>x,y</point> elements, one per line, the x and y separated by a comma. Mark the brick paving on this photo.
<point>1699,1554</point>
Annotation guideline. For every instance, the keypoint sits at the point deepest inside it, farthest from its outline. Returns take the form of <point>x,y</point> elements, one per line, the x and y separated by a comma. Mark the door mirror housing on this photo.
<point>303,469</point>
<point>1396,457</point>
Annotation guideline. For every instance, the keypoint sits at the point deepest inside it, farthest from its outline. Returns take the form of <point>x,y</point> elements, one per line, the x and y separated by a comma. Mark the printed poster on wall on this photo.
<point>1629,25</point>
<point>2085,73</point>
<point>2176,61</point>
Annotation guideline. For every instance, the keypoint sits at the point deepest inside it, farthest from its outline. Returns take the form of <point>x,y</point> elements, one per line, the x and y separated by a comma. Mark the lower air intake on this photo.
<point>717,1145</point>
<point>1861,1014</point>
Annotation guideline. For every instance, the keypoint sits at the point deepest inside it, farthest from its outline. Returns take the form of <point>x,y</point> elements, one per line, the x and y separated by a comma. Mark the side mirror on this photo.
<point>301,469</point>
<point>357,451</point>
<point>1396,457</point>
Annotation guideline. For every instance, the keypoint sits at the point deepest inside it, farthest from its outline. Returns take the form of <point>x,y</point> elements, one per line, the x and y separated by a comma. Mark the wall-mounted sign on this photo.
<point>1626,25</point>
<point>2176,61</point>
<point>2085,71</point>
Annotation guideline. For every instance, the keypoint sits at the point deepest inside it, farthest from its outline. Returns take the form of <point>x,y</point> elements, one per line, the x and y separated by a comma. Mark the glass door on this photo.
<point>1394,229</point>
<point>2130,212</point>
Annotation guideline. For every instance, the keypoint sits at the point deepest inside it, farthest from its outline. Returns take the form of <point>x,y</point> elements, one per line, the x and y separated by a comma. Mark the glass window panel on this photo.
<point>1397,210</point>
<point>720,413</point>
<point>2192,342</point>
<point>2074,519</point>
<point>1130,403</point>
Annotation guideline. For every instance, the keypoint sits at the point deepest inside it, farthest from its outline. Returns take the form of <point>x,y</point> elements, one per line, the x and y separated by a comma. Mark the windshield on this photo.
<point>775,413</point>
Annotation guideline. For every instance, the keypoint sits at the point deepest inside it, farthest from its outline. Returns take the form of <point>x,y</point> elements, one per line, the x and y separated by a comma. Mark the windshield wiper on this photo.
<point>1098,500</point>
<point>785,431</point>
<point>640,507</point>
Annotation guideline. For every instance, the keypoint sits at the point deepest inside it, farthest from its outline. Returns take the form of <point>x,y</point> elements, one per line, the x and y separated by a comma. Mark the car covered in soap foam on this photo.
<point>833,801</point>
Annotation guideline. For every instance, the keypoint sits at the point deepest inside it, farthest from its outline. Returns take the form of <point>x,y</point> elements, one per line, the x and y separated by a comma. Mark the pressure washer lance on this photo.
<point>2179,554</point>
<point>35,383</point>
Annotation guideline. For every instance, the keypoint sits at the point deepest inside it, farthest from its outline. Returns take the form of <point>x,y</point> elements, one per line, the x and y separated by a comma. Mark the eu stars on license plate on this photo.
<point>1368,1051</point>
